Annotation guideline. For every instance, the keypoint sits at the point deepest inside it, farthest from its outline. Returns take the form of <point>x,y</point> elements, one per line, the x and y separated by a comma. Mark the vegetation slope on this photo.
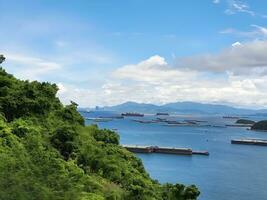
<point>245,121</point>
<point>261,125</point>
<point>47,153</point>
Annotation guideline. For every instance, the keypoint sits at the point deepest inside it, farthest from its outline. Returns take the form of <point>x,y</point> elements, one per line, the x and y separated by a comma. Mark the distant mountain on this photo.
<point>133,107</point>
<point>182,107</point>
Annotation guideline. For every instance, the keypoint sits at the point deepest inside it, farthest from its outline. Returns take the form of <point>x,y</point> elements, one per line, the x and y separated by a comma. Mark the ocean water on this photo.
<point>230,172</point>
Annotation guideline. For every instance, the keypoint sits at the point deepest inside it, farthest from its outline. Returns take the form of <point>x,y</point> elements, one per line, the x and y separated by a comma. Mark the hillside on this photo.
<point>182,107</point>
<point>47,152</point>
<point>261,126</point>
<point>245,121</point>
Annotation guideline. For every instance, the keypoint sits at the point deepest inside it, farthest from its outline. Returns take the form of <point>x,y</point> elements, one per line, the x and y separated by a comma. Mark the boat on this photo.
<point>128,114</point>
<point>162,113</point>
<point>230,117</point>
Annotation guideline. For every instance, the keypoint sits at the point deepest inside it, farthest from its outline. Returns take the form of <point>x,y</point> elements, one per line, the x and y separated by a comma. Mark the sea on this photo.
<point>230,172</point>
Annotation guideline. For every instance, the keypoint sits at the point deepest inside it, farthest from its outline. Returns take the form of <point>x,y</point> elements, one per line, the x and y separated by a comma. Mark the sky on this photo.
<point>102,53</point>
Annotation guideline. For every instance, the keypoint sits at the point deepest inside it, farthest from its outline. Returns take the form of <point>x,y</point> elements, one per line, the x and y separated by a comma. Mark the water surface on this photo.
<point>231,172</point>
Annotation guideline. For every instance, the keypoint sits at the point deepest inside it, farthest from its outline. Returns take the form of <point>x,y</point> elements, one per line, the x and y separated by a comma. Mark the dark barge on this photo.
<point>164,150</point>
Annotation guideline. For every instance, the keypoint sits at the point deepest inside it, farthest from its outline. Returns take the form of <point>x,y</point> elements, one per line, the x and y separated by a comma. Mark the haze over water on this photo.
<point>230,171</point>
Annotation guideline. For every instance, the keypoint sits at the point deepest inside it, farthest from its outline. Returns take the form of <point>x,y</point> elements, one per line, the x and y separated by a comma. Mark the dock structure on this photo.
<point>260,142</point>
<point>164,150</point>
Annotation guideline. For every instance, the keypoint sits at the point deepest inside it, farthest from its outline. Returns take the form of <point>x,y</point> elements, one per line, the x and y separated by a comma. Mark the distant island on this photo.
<point>245,121</point>
<point>183,108</point>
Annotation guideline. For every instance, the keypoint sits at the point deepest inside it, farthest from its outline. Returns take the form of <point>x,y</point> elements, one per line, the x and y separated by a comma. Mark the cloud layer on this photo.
<point>236,75</point>
<point>154,81</point>
<point>247,58</point>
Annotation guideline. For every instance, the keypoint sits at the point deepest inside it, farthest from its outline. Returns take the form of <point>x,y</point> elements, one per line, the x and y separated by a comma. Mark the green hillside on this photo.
<point>261,125</point>
<point>245,121</point>
<point>47,153</point>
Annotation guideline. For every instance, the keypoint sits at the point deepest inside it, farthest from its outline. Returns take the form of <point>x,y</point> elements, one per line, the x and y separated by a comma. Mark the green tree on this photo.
<point>2,59</point>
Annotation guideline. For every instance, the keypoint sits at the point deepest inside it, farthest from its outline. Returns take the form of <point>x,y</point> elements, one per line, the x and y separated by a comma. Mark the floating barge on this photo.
<point>164,150</point>
<point>259,142</point>
<point>230,117</point>
<point>162,113</point>
<point>128,114</point>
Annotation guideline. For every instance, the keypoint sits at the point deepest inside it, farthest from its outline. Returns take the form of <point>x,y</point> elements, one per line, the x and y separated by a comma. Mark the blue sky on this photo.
<point>108,52</point>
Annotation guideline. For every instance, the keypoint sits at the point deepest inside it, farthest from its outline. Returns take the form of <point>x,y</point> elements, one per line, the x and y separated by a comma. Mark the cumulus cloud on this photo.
<point>236,44</point>
<point>240,78</point>
<point>216,1</point>
<point>152,70</point>
<point>154,81</point>
<point>247,58</point>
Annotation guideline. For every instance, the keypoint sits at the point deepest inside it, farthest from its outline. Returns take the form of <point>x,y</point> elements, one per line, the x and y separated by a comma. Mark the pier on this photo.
<point>164,150</point>
<point>259,142</point>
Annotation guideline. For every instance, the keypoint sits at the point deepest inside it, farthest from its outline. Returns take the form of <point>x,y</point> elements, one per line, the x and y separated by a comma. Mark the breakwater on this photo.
<point>164,150</point>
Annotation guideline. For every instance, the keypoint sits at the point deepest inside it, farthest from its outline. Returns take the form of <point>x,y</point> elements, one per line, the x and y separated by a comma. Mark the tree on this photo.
<point>2,58</point>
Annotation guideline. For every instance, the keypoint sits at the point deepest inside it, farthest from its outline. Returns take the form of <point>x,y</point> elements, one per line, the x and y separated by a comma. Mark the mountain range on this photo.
<point>182,107</point>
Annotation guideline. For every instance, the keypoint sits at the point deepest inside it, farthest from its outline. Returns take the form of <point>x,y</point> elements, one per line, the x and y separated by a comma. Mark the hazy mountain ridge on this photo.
<point>182,107</point>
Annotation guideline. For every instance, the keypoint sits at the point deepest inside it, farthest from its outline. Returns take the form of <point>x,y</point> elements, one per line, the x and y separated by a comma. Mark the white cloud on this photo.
<point>262,30</point>
<point>216,1</point>
<point>154,81</point>
<point>236,44</point>
<point>152,70</point>
<point>259,32</point>
<point>236,6</point>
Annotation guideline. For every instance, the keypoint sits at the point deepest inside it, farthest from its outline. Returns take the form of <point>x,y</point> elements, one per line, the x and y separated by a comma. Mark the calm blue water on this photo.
<point>231,172</point>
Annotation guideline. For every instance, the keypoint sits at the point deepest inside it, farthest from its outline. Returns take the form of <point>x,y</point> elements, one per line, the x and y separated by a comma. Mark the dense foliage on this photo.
<point>47,152</point>
<point>245,121</point>
<point>261,125</point>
